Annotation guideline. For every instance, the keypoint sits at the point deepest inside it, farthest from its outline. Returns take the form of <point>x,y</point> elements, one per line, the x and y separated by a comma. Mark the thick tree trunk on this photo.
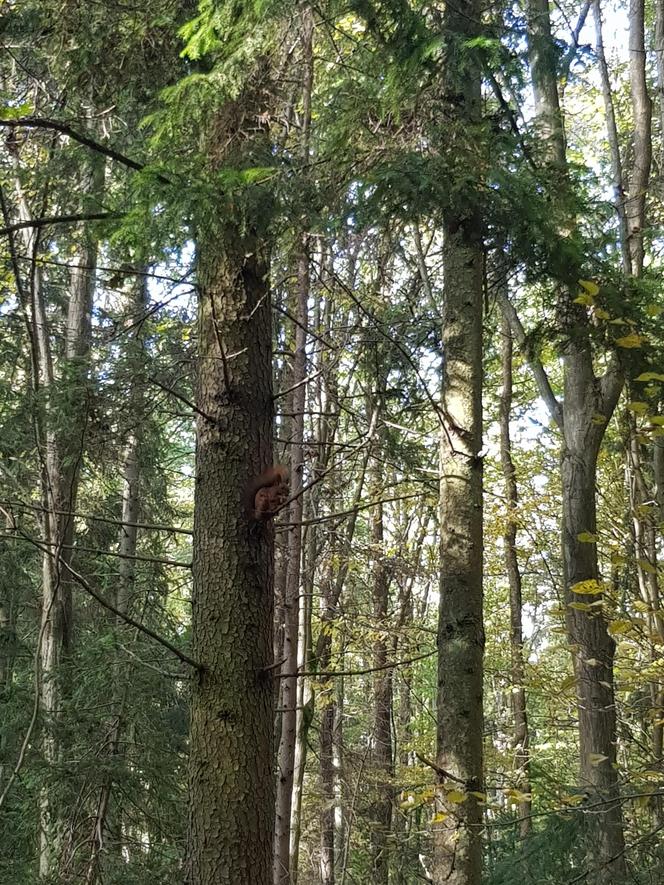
<point>518,693</point>
<point>231,762</point>
<point>457,831</point>
<point>593,651</point>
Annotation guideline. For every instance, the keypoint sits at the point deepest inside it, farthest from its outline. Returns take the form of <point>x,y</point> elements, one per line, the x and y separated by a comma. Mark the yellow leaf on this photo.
<point>598,419</point>
<point>654,310</point>
<point>587,538</point>
<point>588,588</point>
<point>638,407</point>
<point>646,566</point>
<point>619,321</point>
<point>618,559</point>
<point>602,314</point>
<point>658,420</point>
<point>480,796</point>
<point>618,627</point>
<point>456,797</point>
<point>591,288</point>
<point>630,341</point>
<point>439,817</point>
<point>580,606</point>
<point>584,299</point>
<point>596,759</point>
<point>650,376</point>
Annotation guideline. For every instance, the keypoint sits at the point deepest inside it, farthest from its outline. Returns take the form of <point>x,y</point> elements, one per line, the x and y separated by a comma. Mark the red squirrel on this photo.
<point>267,493</point>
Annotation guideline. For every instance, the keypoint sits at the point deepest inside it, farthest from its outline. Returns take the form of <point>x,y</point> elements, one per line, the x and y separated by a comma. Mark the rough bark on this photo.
<point>518,689</point>
<point>231,772</point>
<point>457,848</point>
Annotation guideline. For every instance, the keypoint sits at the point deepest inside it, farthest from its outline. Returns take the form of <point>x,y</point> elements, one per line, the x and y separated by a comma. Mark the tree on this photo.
<point>460,641</point>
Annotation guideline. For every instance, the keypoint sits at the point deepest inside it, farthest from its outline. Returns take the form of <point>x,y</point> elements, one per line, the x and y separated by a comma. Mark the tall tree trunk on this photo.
<point>613,139</point>
<point>585,397</point>
<point>289,683</point>
<point>593,648</point>
<point>542,54</point>
<point>518,692</point>
<point>382,768</point>
<point>231,782</point>
<point>642,147</point>
<point>457,833</point>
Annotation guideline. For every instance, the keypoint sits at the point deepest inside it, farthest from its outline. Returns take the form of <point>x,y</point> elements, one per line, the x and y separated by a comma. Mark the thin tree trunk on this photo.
<point>289,684</point>
<point>457,833</point>
<point>659,56</point>
<point>518,692</point>
<point>614,144</point>
<point>642,113</point>
<point>381,761</point>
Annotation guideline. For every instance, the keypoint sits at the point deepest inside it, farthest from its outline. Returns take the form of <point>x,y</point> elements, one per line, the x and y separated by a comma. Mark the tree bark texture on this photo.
<point>231,772</point>
<point>457,854</point>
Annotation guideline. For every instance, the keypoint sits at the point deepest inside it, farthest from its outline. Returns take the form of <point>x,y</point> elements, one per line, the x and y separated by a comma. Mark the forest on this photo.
<point>331,442</point>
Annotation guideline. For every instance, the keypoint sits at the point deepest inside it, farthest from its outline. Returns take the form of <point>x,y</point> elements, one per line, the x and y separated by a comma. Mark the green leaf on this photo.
<point>587,538</point>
